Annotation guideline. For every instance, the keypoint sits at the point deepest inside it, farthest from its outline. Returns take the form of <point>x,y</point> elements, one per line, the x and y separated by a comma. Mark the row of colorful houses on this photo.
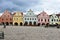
<point>19,18</point>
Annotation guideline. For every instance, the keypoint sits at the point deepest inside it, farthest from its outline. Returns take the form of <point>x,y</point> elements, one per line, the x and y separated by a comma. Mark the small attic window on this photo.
<point>30,13</point>
<point>43,14</point>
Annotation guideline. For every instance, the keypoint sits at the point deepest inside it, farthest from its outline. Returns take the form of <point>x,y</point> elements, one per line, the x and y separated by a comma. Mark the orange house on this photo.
<point>6,18</point>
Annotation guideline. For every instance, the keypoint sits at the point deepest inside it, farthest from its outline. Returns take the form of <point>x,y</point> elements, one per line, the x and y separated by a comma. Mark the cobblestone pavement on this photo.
<point>30,33</point>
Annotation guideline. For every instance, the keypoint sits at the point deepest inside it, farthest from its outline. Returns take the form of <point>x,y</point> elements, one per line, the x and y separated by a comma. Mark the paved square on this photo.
<point>30,33</point>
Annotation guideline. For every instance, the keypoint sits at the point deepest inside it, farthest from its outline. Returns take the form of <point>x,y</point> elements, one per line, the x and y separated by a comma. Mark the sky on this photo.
<point>49,6</point>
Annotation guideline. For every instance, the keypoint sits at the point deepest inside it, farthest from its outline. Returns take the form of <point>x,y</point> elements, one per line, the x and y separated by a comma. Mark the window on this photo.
<point>38,19</point>
<point>41,19</point>
<point>30,18</point>
<point>52,19</point>
<point>30,13</point>
<point>48,19</point>
<point>25,18</point>
<point>45,20</point>
<point>35,18</point>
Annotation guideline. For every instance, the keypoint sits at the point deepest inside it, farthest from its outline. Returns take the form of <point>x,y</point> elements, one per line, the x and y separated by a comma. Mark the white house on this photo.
<point>53,20</point>
<point>30,18</point>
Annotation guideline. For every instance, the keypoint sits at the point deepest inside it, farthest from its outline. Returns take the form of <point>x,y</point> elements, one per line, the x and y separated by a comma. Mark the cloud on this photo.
<point>16,5</point>
<point>50,6</point>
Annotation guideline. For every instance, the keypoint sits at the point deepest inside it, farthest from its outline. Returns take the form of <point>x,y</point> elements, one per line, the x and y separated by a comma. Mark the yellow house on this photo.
<point>18,18</point>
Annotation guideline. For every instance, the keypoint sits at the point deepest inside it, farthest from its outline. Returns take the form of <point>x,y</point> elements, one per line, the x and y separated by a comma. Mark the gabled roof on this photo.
<point>50,15</point>
<point>30,10</point>
<point>16,12</point>
<point>43,12</point>
<point>7,12</point>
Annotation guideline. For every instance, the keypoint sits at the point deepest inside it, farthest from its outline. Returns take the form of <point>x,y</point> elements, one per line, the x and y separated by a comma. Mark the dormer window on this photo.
<point>30,13</point>
<point>4,16</point>
<point>43,14</point>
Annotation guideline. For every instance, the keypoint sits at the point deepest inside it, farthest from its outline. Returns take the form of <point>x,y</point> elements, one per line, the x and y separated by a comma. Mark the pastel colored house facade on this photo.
<point>53,20</point>
<point>18,18</point>
<point>30,18</point>
<point>6,18</point>
<point>58,18</point>
<point>43,18</point>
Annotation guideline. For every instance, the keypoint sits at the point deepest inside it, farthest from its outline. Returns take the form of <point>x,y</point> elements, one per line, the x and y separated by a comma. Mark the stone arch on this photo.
<point>34,23</point>
<point>16,23</point>
<point>43,23</point>
<point>7,23</point>
<point>47,24</point>
<point>26,23</point>
<point>11,23</point>
<point>38,24</point>
<point>30,23</point>
<point>2,23</point>
<point>21,23</point>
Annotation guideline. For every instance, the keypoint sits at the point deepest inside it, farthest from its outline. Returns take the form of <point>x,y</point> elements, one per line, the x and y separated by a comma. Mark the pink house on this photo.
<point>43,18</point>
